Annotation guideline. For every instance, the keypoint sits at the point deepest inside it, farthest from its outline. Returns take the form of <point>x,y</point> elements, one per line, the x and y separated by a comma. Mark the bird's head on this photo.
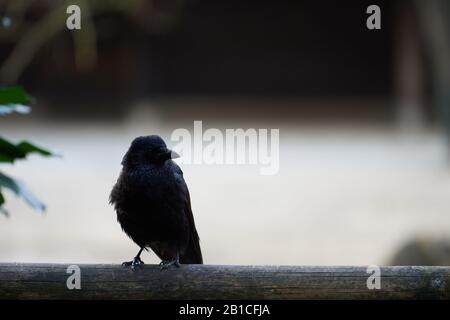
<point>148,149</point>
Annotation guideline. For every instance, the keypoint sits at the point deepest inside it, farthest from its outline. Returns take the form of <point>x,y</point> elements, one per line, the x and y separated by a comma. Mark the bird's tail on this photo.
<point>193,253</point>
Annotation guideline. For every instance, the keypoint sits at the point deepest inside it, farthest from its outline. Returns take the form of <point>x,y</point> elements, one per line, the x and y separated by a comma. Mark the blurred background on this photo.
<point>364,119</point>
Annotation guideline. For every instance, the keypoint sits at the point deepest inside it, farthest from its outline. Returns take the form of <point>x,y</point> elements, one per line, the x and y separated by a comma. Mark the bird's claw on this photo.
<point>167,264</point>
<point>134,264</point>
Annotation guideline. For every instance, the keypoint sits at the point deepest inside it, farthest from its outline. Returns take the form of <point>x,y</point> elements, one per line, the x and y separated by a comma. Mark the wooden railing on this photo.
<point>59,281</point>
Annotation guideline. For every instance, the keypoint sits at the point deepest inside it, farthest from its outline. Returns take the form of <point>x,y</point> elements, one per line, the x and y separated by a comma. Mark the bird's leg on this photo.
<point>136,262</point>
<point>167,264</point>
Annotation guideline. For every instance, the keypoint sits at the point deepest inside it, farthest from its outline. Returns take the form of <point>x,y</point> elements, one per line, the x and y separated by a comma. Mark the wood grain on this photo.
<point>48,281</point>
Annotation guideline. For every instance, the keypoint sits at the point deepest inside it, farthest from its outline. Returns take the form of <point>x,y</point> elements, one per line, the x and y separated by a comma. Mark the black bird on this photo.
<point>153,204</point>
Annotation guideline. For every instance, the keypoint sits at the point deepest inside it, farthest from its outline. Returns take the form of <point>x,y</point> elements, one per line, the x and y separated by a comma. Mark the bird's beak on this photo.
<point>173,154</point>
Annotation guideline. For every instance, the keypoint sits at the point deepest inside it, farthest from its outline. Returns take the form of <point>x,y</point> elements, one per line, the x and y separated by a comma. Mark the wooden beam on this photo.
<point>48,281</point>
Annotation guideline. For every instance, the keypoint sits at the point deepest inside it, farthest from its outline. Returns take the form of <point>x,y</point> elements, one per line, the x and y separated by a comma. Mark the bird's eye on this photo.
<point>153,151</point>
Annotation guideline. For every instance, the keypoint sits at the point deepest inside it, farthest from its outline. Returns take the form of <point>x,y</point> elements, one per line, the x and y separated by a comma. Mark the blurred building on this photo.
<point>239,49</point>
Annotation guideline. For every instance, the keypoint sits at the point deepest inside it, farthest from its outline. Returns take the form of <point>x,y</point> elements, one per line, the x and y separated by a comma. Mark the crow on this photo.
<point>153,204</point>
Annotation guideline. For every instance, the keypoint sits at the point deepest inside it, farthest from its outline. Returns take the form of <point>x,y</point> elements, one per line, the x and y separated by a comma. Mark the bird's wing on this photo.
<point>193,253</point>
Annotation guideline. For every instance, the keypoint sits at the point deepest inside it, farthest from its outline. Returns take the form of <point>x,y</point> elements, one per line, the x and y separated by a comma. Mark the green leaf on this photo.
<point>21,190</point>
<point>14,95</point>
<point>14,99</point>
<point>27,147</point>
<point>10,152</point>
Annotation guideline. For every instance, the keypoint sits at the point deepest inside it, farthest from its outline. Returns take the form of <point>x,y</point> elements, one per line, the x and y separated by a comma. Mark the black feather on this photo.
<point>153,204</point>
